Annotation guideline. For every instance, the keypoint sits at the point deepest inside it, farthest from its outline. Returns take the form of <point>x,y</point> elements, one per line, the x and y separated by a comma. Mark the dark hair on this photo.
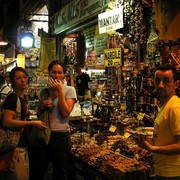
<point>177,76</point>
<point>13,71</point>
<point>166,67</point>
<point>6,74</point>
<point>56,62</point>
<point>2,79</point>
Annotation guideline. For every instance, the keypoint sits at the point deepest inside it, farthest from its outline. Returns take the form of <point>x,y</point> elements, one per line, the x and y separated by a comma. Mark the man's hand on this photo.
<point>143,143</point>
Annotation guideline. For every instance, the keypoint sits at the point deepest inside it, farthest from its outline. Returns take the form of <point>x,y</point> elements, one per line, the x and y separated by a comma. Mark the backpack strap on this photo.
<point>18,111</point>
<point>18,108</point>
<point>3,88</point>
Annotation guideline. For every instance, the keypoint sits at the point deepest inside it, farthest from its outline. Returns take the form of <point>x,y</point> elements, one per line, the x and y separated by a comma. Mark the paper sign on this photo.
<point>110,20</point>
<point>140,116</point>
<point>112,128</point>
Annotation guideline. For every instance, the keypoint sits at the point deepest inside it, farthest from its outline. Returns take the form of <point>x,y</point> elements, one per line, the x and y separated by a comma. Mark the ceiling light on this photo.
<point>3,42</point>
<point>26,40</point>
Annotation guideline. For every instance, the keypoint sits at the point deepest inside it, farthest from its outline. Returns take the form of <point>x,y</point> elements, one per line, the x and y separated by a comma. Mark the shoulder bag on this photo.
<point>9,138</point>
<point>40,137</point>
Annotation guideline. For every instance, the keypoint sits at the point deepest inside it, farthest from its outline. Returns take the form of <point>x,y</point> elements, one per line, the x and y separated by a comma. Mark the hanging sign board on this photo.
<point>110,20</point>
<point>2,57</point>
<point>113,57</point>
<point>76,12</point>
<point>21,60</point>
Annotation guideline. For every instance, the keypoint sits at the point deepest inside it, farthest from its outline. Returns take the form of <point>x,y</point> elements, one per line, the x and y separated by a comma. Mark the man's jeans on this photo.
<point>167,178</point>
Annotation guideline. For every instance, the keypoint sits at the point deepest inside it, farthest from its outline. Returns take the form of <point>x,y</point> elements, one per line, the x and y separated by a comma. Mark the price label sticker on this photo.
<point>126,135</point>
<point>123,106</point>
<point>112,128</point>
<point>140,116</point>
<point>137,156</point>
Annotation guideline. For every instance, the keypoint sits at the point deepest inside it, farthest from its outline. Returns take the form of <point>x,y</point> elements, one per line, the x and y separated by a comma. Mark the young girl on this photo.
<point>60,98</point>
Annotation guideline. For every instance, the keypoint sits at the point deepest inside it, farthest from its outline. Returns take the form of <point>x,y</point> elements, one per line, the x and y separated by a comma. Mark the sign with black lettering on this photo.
<point>74,13</point>
<point>113,57</point>
<point>110,20</point>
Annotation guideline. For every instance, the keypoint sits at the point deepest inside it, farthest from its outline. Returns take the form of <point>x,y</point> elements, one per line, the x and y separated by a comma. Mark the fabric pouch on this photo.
<point>40,137</point>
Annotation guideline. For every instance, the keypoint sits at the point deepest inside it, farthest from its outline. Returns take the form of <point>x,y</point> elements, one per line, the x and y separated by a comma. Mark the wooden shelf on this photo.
<point>96,67</point>
<point>8,63</point>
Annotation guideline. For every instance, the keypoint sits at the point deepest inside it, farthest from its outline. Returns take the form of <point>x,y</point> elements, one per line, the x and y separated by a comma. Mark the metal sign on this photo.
<point>113,57</point>
<point>75,13</point>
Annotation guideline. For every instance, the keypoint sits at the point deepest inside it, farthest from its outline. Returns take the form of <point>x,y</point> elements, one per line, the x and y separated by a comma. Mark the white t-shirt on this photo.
<point>59,123</point>
<point>5,90</point>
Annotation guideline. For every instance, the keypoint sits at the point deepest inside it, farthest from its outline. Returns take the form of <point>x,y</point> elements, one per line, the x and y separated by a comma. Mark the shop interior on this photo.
<point>120,102</point>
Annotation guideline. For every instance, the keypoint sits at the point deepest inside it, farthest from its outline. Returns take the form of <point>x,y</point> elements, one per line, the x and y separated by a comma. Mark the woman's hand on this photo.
<point>39,124</point>
<point>56,84</point>
<point>48,102</point>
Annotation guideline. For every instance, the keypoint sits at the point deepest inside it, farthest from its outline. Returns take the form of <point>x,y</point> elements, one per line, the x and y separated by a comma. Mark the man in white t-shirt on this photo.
<point>4,88</point>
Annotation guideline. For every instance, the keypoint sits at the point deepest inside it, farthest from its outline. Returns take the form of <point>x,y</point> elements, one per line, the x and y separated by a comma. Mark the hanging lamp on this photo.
<point>3,42</point>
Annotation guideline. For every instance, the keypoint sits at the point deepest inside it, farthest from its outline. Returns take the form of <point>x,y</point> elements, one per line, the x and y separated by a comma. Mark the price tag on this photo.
<point>137,156</point>
<point>126,135</point>
<point>112,128</point>
<point>123,106</point>
<point>140,116</point>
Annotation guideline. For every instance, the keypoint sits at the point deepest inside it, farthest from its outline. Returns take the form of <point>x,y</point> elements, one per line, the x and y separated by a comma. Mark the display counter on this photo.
<point>82,170</point>
<point>109,157</point>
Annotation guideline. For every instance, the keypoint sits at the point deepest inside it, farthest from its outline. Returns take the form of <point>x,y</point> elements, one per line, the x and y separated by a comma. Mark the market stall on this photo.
<point>109,156</point>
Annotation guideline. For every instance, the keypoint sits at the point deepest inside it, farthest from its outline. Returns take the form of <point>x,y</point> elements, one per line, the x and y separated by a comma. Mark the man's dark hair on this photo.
<point>7,74</point>
<point>166,67</point>
<point>177,76</point>
<point>2,79</point>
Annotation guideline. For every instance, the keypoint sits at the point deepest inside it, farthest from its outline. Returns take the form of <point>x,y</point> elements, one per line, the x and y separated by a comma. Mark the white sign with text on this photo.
<point>110,20</point>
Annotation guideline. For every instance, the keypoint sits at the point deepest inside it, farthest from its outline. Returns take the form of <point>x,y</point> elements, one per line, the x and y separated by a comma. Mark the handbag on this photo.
<point>5,160</point>
<point>39,137</point>
<point>9,138</point>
